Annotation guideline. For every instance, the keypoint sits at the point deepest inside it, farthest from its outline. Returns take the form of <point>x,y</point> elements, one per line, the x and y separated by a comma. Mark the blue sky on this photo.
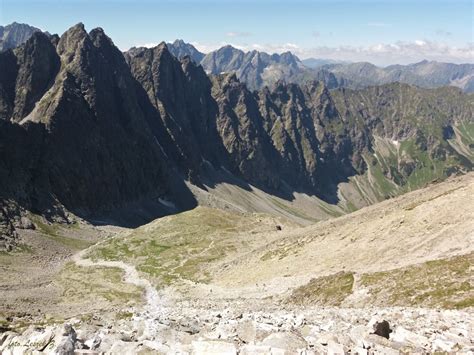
<point>383,31</point>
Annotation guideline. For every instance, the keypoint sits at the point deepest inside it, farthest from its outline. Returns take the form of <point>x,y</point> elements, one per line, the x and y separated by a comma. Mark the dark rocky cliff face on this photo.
<point>85,129</point>
<point>29,72</point>
<point>90,143</point>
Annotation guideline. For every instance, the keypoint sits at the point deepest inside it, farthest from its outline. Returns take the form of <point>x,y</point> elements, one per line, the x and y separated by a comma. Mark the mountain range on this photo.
<point>424,74</point>
<point>258,69</point>
<point>88,129</point>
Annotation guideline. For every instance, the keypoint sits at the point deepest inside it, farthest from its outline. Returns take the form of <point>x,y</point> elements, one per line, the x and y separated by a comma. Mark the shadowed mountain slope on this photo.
<point>99,132</point>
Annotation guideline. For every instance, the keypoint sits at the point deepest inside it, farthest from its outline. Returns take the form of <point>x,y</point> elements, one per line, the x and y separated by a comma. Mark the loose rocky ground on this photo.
<point>188,328</point>
<point>209,281</point>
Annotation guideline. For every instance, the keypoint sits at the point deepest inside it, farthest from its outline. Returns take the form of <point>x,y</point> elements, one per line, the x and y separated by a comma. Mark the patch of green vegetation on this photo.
<point>178,246</point>
<point>4,323</point>
<point>19,249</point>
<point>350,206</point>
<point>445,283</point>
<point>327,208</point>
<point>24,248</point>
<point>123,315</point>
<point>45,228</point>
<point>411,166</point>
<point>90,284</point>
<point>279,253</point>
<point>463,142</point>
<point>466,131</point>
<point>19,324</point>
<point>86,318</point>
<point>55,232</point>
<point>425,169</point>
<point>327,290</point>
<point>385,188</point>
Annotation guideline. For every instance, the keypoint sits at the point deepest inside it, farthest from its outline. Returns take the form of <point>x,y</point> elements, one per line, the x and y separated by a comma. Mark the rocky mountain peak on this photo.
<point>179,42</point>
<point>71,41</point>
<point>38,65</point>
<point>229,80</point>
<point>162,51</point>
<point>162,46</point>
<point>289,58</point>
<point>15,34</point>
<point>180,49</point>
<point>99,38</point>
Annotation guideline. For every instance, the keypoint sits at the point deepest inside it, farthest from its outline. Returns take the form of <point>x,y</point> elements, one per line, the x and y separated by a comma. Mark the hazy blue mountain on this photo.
<point>256,69</point>
<point>319,62</point>
<point>429,74</point>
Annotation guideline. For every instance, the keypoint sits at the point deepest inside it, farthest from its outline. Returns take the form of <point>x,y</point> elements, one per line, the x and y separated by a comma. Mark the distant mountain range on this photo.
<point>258,69</point>
<point>424,74</point>
<point>319,62</point>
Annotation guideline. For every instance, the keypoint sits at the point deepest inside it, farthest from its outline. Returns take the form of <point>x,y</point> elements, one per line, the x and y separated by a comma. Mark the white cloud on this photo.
<point>149,45</point>
<point>238,34</point>
<point>258,47</point>
<point>400,52</point>
<point>209,47</point>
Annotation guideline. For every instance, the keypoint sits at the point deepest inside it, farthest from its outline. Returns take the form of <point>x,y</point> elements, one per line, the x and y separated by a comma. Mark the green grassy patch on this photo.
<point>466,131</point>
<point>56,231</point>
<point>384,188</point>
<point>19,249</point>
<point>123,315</point>
<point>89,285</point>
<point>446,283</point>
<point>180,246</point>
<point>410,166</point>
<point>327,290</point>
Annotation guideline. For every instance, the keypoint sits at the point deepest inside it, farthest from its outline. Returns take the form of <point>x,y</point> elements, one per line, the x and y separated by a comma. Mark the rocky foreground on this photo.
<point>188,328</point>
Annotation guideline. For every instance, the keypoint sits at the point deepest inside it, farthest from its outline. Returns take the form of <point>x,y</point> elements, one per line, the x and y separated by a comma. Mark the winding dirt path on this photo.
<point>153,308</point>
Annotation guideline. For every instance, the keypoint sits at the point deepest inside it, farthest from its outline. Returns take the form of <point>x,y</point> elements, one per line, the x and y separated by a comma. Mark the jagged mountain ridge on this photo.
<point>93,131</point>
<point>15,34</point>
<point>100,131</point>
<point>319,62</point>
<point>180,49</point>
<point>258,69</point>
